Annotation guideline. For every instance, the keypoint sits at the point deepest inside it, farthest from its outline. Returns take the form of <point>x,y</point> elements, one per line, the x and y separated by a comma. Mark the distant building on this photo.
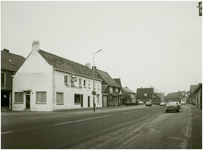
<point>198,96</point>
<point>10,63</point>
<point>111,91</point>
<point>191,96</point>
<point>175,96</point>
<point>118,81</point>
<point>145,94</point>
<point>129,96</point>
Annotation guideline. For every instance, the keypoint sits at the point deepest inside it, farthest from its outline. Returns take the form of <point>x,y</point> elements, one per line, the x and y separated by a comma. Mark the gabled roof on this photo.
<point>11,62</point>
<point>107,78</point>
<point>127,90</point>
<point>118,81</point>
<point>193,88</point>
<point>161,95</point>
<point>142,91</point>
<point>173,95</point>
<point>67,65</point>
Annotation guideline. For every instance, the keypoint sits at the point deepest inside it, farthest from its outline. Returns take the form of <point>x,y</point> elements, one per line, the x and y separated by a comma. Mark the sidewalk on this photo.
<point>195,140</point>
<point>99,109</point>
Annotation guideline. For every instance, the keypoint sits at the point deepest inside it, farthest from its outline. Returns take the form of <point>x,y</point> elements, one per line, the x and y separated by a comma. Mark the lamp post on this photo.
<point>94,92</point>
<point>196,78</point>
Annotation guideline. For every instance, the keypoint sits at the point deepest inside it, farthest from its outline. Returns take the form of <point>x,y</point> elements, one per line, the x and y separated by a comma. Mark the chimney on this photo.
<point>35,45</point>
<point>5,50</point>
<point>88,65</point>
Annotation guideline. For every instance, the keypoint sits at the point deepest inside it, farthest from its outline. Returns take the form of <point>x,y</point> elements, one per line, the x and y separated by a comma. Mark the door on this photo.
<point>88,101</point>
<point>81,100</point>
<point>4,99</point>
<point>27,97</point>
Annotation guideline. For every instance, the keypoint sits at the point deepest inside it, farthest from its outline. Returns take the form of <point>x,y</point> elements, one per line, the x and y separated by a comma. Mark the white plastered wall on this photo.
<point>69,92</point>
<point>34,75</point>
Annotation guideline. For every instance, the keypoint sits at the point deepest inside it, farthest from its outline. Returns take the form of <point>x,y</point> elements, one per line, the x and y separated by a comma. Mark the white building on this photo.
<point>47,82</point>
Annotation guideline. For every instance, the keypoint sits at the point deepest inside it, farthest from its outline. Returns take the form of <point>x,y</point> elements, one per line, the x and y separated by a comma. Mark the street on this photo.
<point>138,127</point>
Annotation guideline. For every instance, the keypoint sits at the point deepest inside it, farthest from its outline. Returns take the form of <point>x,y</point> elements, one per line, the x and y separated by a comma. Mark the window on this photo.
<point>95,85</point>
<point>80,83</point>
<point>84,83</point>
<point>59,98</point>
<point>19,97</point>
<point>41,97</point>
<point>89,82</point>
<point>145,94</point>
<point>78,99</point>
<point>66,79</point>
<point>110,90</point>
<point>116,89</point>
<point>3,80</point>
<point>98,86</point>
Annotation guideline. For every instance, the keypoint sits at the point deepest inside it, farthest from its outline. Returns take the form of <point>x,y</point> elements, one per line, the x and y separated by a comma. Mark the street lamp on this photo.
<point>94,92</point>
<point>196,78</point>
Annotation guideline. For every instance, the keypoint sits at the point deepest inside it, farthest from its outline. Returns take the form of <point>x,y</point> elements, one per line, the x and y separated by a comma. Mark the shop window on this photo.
<point>78,99</point>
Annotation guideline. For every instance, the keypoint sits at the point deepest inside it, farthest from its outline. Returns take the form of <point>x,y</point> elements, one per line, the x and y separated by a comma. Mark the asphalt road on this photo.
<point>64,131</point>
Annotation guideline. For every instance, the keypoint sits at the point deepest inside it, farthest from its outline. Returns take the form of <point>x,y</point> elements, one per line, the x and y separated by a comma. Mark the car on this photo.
<point>182,103</point>
<point>148,104</point>
<point>172,106</point>
<point>163,104</point>
<point>140,103</point>
<point>177,103</point>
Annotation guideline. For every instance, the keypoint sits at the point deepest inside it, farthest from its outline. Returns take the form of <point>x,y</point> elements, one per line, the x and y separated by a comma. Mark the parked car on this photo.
<point>140,103</point>
<point>163,104</point>
<point>182,103</point>
<point>148,104</point>
<point>172,106</point>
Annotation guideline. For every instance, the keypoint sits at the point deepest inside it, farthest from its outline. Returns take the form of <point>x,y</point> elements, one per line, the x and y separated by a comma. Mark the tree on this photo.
<point>126,96</point>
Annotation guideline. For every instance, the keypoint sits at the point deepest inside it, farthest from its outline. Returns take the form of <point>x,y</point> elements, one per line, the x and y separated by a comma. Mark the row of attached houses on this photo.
<point>47,82</point>
<point>10,63</point>
<point>198,96</point>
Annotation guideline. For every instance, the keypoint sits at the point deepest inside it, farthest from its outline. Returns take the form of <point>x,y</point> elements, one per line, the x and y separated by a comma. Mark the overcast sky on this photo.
<point>145,44</point>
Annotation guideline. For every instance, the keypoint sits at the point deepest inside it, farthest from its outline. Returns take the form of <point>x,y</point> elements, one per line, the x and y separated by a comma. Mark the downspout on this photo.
<point>12,76</point>
<point>53,89</point>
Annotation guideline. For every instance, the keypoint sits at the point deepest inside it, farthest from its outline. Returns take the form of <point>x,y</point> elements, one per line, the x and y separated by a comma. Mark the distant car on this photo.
<point>140,103</point>
<point>148,104</point>
<point>182,103</point>
<point>172,106</point>
<point>163,104</point>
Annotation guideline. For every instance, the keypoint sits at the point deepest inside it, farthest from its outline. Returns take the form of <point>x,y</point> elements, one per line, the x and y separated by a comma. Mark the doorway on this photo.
<point>88,101</point>
<point>27,97</point>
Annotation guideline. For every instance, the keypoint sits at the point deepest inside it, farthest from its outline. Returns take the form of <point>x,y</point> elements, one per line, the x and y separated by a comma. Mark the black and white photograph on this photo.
<point>101,74</point>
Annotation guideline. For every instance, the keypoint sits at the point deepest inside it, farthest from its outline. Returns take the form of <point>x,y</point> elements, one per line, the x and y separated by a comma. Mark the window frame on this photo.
<point>36,102</point>
<point>89,84</point>
<point>19,101</point>
<point>4,80</point>
<point>81,98</point>
<point>84,83</point>
<point>66,79</point>
<point>60,103</point>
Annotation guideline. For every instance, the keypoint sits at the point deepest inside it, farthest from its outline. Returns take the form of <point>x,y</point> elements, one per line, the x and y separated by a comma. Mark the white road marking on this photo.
<point>83,120</point>
<point>63,123</point>
<point>5,132</point>
<point>130,112</point>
